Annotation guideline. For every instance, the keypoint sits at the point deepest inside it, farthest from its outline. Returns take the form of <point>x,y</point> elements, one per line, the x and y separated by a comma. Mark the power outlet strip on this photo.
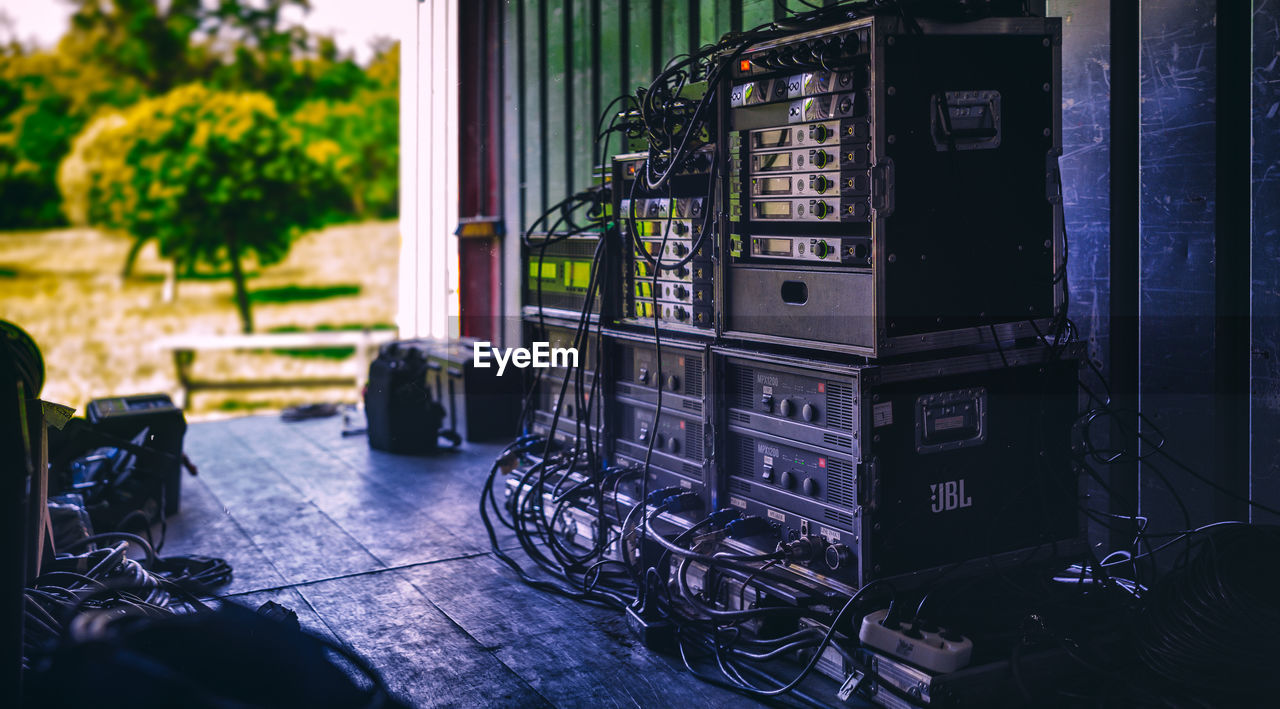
<point>940,651</point>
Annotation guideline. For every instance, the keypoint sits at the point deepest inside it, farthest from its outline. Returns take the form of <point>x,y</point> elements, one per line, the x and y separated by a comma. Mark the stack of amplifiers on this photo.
<point>678,430</point>
<point>893,191</point>
<point>567,397</point>
<point>558,273</point>
<point>674,225</point>
<point>903,471</point>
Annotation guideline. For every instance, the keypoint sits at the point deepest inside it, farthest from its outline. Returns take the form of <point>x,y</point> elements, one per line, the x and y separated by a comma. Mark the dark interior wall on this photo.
<point>1265,259</point>
<point>1201,261</point>
<point>1208,272</point>
<point>1085,167</point>
<point>1176,211</point>
<point>1085,163</point>
<point>565,60</point>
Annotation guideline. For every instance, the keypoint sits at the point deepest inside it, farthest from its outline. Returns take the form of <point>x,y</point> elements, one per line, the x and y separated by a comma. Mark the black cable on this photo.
<point>143,544</point>
<point>657,365</point>
<point>1209,628</point>
<point>817,654</point>
<point>594,598</point>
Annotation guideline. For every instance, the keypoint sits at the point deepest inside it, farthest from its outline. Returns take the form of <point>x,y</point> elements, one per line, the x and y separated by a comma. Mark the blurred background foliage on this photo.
<point>214,177</point>
<point>118,53</point>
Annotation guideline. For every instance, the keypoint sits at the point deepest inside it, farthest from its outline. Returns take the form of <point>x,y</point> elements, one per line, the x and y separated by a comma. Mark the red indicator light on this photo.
<point>822,462</point>
<point>822,387</point>
<point>744,65</point>
<point>682,425</point>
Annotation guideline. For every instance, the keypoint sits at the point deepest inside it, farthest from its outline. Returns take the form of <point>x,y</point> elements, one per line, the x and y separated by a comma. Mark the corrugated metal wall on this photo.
<point>1265,262</point>
<point>564,62</point>
<point>567,59</point>
<point>1086,170</point>
<point>1176,213</point>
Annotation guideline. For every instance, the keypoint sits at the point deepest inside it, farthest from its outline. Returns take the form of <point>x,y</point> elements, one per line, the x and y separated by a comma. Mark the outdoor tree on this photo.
<point>233,45</point>
<point>117,52</point>
<point>45,100</point>
<point>213,177</point>
<point>360,137</point>
<point>75,173</point>
<point>161,44</point>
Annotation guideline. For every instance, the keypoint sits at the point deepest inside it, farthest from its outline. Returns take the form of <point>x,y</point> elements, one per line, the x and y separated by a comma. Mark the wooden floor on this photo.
<point>386,554</point>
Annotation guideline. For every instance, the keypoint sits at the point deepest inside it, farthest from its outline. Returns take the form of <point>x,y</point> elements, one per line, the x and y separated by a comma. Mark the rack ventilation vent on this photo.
<point>574,248</point>
<point>693,375</point>
<point>746,463</point>
<point>835,439</point>
<point>693,440</point>
<point>740,384</point>
<point>562,301</point>
<point>627,367</point>
<point>843,520</point>
<point>840,406</point>
<point>840,485</point>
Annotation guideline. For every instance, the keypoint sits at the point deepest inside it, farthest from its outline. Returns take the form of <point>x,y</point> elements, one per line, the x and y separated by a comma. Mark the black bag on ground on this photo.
<point>403,416</point>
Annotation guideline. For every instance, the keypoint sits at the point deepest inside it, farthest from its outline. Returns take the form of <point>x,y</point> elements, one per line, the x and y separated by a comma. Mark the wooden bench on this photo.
<point>185,348</point>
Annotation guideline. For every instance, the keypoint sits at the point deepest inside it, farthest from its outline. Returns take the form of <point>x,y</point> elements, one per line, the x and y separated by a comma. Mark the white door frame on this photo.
<point>428,289</point>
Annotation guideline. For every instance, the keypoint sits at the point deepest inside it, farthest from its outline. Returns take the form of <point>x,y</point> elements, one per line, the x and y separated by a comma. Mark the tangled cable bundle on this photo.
<point>1212,626</point>
<point>72,588</point>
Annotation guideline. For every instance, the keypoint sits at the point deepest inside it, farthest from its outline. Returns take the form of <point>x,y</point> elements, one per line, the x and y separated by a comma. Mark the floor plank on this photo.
<point>571,653</point>
<point>204,526</point>
<point>423,655</point>
<point>443,489</point>
<point>381,507</point>
<point>299,539</point>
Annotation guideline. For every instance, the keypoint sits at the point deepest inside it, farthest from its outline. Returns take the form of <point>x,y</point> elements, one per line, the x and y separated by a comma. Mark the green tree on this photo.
<point>75,174</point>
<point>213,177</point>
<point>144,40</point>
<point>45,100</point>
<point>312,70</point>
<point>360,138</point>
<point>234,44</point>
<point>120,51</point>
<point>32,137</point>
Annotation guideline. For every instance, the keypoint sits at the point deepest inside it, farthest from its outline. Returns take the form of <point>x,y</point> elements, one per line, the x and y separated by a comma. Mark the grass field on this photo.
<point>97,331</point>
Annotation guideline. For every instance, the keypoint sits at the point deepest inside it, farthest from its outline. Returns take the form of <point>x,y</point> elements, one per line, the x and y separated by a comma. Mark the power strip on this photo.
<point>938,650</point>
